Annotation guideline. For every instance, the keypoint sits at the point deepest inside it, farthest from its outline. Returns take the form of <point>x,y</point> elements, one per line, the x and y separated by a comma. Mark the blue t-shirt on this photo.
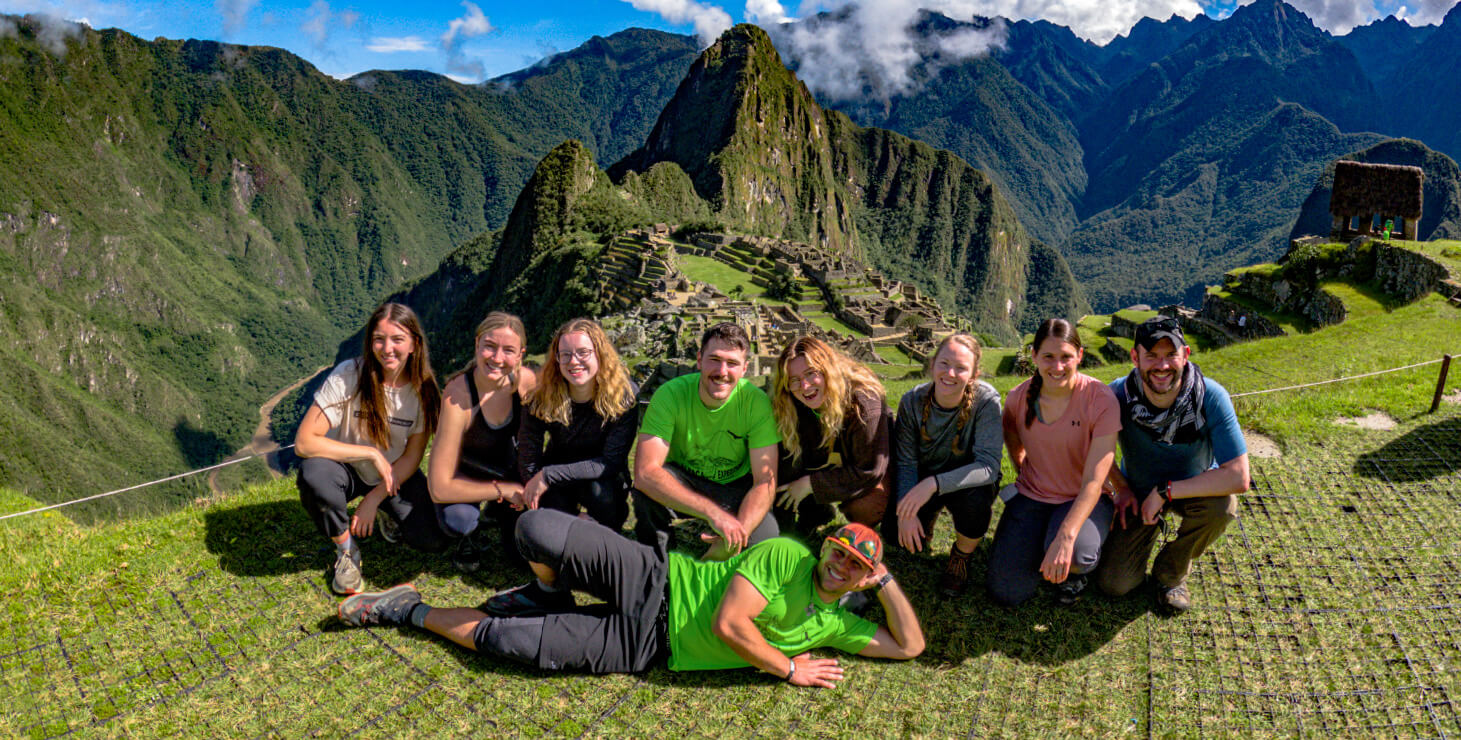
<point>1148,463</point>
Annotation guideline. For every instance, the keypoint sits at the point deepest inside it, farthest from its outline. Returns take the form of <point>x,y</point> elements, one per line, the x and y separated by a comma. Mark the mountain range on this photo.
<point>189,225</point>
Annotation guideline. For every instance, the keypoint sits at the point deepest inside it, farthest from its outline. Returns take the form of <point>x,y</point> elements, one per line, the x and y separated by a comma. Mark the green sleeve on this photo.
<point>770,564</point>
<point>854,635</point>
<point>763,423</point>
<point>659,418</point>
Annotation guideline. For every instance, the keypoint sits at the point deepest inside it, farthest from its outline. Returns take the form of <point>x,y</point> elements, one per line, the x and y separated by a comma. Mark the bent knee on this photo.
<point>1118,584</point>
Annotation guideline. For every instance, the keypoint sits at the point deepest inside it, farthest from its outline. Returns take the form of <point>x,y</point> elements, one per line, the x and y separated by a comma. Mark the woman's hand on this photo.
<point>1056,566</point>
<point>795,492</point>
<point>910,527</point>
<point>362,522</point>
<point>1125,501</point>
<point>533,490</point>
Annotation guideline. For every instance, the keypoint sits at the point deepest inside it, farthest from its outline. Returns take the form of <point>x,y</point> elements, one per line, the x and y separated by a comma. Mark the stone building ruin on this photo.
<point>1366,195</point>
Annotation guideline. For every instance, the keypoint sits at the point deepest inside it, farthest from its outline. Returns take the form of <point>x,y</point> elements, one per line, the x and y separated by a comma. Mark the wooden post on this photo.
<point>1441,383</point>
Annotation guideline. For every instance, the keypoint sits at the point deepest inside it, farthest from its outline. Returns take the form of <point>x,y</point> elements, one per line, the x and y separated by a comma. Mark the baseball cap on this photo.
<point>1156,329</point>
<point>861,541</point>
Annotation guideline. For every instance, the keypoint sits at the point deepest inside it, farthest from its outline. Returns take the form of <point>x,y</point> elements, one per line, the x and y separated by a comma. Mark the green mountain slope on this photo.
<point>1423,97</point>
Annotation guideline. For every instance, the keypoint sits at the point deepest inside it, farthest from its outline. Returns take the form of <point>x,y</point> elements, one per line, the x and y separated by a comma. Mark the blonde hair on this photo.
<point>844,378</point>
<point>496,320</point>
<point>966,399</point>
<point>612,396</point>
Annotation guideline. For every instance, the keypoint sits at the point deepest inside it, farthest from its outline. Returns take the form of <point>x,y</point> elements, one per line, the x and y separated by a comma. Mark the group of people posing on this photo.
<point>545,455</point>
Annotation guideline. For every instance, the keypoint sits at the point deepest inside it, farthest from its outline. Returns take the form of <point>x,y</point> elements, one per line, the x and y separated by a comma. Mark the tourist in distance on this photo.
<point>585,406</point>
<point>474,458</point>
<point>1060,429</point>
<point>707,448</point>
<point>364,437</point>
<point>834,423</point>
<point>1182,451</point>
<point>765,607</point>
<point>947,447</point>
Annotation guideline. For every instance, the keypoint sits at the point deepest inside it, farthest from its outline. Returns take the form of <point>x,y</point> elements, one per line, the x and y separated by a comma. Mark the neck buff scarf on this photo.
<point>1182,422</point>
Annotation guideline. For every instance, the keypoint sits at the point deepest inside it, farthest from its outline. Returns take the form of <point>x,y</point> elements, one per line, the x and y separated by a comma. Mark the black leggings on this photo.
<point>326,487</point>
<point>606,500</point>
<point>970,509</point>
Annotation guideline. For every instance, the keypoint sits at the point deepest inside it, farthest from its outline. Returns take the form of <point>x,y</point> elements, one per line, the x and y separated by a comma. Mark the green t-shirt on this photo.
<point>712,443</point>
<point>794,621</point>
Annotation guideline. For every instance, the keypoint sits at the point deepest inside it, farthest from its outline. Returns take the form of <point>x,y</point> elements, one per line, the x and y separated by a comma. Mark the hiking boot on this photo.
<point>1173,600</point>
<point>386,525</point>
<point>467,556</point>
<point>346,573</point>
<point>528,600</point>
<point>1068,592</point>
<point>956,573</point>
<point>391,606</point>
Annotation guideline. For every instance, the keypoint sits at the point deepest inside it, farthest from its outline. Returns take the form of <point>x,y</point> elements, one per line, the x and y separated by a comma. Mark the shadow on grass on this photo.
<point>1424,453</point>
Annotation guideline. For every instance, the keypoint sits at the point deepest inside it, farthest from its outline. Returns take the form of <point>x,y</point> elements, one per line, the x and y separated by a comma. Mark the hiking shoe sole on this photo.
<point>391,606</point>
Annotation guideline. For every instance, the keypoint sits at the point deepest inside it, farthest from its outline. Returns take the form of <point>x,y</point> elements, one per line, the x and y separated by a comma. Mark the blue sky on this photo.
<point>483,38</point>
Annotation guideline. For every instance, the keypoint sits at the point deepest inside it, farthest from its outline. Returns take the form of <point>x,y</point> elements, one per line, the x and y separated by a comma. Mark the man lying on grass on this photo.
<point>765,607</point>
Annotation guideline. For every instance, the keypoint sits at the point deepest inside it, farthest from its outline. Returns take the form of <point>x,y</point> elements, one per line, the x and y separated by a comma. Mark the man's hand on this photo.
<point>730,530</point>
<point>1056,566</point>
<point>872,578</point>
<point>1151,508</point>
<point>823,673</point>
<point>1125,501</point>
<point>795,492</point>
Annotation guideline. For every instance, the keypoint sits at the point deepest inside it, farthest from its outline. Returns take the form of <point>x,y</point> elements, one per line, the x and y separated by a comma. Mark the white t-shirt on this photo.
<point>342,408</point>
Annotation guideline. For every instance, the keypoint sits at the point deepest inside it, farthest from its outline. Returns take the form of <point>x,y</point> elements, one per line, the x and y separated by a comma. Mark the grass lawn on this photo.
<point>724,277</point>
<point>1328,609</point>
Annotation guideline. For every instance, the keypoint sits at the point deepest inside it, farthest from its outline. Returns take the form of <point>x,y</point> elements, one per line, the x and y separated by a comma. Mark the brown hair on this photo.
<point>370,386</point>
<point>966,399</point>
<point>551,401</point>
<point>1051,328</point>
<point>845,378</point>
<point>727,332</point>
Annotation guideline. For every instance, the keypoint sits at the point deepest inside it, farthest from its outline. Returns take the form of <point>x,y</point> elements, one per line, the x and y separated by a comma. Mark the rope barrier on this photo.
<point>226,463</point>
<point>223,464</point>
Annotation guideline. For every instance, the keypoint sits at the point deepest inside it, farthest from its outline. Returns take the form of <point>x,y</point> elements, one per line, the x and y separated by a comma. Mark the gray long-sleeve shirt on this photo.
<point>974,464</point>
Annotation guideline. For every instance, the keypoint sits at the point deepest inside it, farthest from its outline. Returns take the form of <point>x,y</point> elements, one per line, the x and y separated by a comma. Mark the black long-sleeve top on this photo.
<point>584,449</point>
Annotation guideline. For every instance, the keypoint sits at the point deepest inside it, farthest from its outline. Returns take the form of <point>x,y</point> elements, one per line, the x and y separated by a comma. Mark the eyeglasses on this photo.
<point>812,377</point>
<point>582,353</point>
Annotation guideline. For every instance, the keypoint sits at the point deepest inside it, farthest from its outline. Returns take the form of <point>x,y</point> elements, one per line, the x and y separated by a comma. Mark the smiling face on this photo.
<point>951,371</point>
<point>392,345</point>
<point>805,383</point>
<point>1160,368</point>
<point>499,353</point>
<point>577,360</point>
<point>721,366</point>
<point>839,571</point>
<point>1058,362</point>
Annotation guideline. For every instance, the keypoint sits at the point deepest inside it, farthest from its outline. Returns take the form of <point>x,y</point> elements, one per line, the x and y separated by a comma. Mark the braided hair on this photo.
<point>966,399</point>
<point>1061,330</point>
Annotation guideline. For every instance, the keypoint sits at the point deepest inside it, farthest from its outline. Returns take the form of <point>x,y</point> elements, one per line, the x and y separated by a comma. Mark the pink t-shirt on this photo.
<point>1055,453</point>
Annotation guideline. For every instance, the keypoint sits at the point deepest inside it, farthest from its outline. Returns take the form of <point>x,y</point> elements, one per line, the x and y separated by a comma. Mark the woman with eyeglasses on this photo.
<point>573,447</point>
<point>834,423</point>
<point>474,458</point>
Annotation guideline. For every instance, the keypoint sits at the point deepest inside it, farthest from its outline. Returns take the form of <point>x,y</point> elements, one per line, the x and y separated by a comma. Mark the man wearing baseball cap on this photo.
<point>766,607</point>
<point>1182,451</point>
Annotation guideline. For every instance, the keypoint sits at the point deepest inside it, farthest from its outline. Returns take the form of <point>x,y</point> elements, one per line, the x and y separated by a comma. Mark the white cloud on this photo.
<point>8,29</point>
<point>765,12</point>
<point>1337,16</point>
<point>235,14</point>
<point>51,31</point>
<point>709,21</point>
<point>869,48</point>
<point>394,44</point>
<point>471,24</point>
<point>322,20</point>
<point>461,79</point>
<point>1427,12</point>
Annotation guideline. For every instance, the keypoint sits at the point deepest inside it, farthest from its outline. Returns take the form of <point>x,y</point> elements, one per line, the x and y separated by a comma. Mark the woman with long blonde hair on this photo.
<point>365,435</point>
<point>585,409</point>
<point>947,446</point>
<point>834,423</point>
<point>474,460</point>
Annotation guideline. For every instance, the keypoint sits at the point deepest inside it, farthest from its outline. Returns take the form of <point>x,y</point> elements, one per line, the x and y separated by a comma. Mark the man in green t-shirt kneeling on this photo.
<point>707,449</point>
<point>766,607</point>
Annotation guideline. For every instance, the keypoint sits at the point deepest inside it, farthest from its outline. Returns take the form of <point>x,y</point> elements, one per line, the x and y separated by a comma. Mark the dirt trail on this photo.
<point>261,442</point>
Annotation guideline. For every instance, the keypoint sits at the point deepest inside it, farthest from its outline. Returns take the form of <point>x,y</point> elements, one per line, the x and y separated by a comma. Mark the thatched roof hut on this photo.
<point>1390,189</point>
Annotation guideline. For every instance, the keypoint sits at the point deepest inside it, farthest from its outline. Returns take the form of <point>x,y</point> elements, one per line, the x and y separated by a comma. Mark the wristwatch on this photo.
<point>885,580</point>
<point>791,670</point>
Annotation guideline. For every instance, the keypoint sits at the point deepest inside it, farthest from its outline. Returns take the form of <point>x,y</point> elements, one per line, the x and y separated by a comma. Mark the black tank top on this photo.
<point>488,452</point>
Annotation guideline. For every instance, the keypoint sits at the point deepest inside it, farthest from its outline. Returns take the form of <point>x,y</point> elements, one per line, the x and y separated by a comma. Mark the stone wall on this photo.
<point>1407,275</point>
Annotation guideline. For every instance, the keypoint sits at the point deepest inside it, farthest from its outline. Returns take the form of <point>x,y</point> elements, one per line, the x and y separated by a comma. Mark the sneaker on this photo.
<point>391,606</point>
<point>467,556</point>
<point>386,525</point>
<point>528,600</point>
<point>1174,599</point>
<point>347,579</point>
<point>1069,591</point>
<point>956,573</point>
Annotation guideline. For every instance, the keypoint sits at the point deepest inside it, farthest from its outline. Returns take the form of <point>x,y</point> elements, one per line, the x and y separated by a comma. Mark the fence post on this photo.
<point>1441,383</point>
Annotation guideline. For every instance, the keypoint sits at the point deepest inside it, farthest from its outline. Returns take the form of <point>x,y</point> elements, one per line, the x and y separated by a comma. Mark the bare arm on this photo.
<point>1232,476</point>
<point>651,477</point>
<point>763,487</point>
<point>734,623</point>
<point>311,441</point>
<point>1056,565</point>
<point>446,486</point>
<point>1012,443</point>
<point>902,639</point>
